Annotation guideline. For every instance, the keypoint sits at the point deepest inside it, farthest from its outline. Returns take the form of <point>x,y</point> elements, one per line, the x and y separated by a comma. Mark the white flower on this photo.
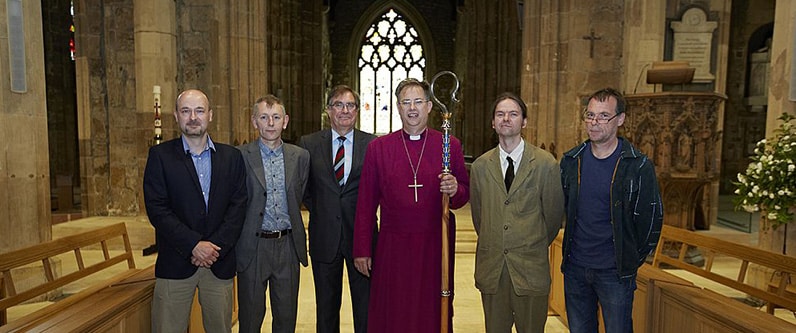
<point>791,167</point>
<point>771,195</point>
<point>780,192</point>
<point>772,216</point>
<point>750,208</point>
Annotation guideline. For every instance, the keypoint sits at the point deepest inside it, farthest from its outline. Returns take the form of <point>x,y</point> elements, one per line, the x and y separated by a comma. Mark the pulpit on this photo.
<point>679,131</point>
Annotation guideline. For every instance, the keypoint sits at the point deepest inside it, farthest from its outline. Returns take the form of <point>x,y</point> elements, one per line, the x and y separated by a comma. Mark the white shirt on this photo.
<point>349,150</point>
<point>516,157</point>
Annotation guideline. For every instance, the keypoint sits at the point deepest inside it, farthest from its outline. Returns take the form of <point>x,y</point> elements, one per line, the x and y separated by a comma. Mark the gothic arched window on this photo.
<point>390,52</point>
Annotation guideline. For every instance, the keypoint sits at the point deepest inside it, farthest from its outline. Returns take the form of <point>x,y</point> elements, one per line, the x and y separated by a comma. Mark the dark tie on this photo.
<point>339,162</point>
<point>509,173</point>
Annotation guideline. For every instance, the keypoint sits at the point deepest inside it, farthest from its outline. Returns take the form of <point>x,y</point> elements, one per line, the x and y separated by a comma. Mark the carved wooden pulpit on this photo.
<point>679,131</point>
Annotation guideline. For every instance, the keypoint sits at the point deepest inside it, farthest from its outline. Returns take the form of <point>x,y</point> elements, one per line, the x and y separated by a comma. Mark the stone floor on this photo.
<point>468,315</point>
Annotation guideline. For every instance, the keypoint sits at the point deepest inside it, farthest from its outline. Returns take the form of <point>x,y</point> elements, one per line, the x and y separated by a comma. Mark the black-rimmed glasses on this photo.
<point>601,118</point>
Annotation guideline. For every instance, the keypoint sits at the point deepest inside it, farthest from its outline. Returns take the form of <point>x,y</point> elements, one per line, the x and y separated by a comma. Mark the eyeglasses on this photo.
<point>602,118</point>
<point>418,103</point>
<point>338,106</point>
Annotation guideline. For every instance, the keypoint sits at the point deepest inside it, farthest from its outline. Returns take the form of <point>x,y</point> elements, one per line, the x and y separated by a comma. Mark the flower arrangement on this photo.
<point>769,182</point>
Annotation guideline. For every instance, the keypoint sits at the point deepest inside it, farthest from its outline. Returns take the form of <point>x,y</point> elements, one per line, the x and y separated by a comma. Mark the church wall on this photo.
<point>439,16</point>
<point>295,66</point>
<point>233,51</point>
<point>493,48</point>
<point>433,19</point>
<point>559,70</point>
<point>24,164</point>
<point>61,103</point>
<point>113,147</point>
<point>743,127</point>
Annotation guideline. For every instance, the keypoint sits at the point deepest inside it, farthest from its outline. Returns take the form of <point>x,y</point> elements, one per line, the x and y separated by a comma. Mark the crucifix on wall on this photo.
<point>591,38</point>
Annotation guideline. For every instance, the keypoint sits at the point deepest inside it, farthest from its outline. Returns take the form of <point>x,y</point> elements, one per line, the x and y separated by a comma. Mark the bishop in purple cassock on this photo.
<point>401,177</point>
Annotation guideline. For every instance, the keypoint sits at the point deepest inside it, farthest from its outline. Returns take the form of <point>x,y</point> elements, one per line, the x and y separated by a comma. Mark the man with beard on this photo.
<point>195,196</point>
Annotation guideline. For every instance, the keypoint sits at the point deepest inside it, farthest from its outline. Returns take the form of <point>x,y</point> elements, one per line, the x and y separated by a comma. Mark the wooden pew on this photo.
<point>660,293</point>
<point>121,303</point>
<point>676,308</point>
<point>783,267</point>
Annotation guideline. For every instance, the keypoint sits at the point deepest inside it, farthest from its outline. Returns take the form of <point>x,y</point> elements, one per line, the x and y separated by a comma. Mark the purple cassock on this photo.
<point>406,276</point>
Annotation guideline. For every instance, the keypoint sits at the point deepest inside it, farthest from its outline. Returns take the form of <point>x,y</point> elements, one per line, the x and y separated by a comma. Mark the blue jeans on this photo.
<point>585,287</point>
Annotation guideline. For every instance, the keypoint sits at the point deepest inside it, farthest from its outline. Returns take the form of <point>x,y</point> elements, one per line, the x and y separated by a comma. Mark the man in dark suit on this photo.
<point>272,243</point>
<point>337,156</point>
<point>195,196</point>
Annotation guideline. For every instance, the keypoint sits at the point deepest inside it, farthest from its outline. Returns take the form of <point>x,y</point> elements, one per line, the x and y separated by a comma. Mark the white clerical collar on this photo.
<point>415,137</point>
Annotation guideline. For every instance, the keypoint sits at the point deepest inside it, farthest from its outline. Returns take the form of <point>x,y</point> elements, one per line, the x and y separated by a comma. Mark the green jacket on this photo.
<point>517,227</point>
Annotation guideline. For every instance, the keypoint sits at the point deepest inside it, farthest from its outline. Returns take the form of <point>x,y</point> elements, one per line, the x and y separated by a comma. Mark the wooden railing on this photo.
<point>778,292</point>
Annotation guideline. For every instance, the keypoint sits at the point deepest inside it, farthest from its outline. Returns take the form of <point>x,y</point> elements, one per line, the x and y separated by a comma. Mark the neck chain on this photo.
<point>415,185</point>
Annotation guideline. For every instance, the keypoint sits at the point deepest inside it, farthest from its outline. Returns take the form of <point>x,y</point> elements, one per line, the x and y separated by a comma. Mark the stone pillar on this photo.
<point>492,52</point>
<point>644,42</point>
<point>24,160</point>
<point>782,64</point>
<point>155,65</point>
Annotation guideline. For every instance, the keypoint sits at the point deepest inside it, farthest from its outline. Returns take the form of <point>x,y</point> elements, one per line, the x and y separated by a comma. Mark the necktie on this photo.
<point>509,173</point>
<point>339,162</point>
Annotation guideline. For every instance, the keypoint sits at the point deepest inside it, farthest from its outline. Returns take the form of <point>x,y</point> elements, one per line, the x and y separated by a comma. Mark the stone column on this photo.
<point>782,65</point>
<point>24,160</point>
<point>644,41</point>
<point>155,65</point>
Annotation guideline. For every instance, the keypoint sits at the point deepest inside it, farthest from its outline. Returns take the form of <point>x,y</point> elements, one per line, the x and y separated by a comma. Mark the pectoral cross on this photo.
<point>591,38</point>
<point>415,186</point>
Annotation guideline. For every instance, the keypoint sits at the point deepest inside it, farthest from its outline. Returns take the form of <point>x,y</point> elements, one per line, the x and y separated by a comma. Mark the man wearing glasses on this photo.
<point>401,178</point>
<point>614,217</point>
<point>336,157</point>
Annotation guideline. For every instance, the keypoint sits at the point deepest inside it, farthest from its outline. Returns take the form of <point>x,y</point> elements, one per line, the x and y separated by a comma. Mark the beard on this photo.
<point>193,129</point>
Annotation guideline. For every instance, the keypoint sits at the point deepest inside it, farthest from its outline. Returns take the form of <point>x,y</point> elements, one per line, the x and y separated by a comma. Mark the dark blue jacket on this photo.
<point>176,207</point>
<point>636,207</point>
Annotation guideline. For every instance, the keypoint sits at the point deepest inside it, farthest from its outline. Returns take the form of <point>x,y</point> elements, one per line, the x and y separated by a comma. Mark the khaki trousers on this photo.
<point>501,310</point>
<point>171,306</point>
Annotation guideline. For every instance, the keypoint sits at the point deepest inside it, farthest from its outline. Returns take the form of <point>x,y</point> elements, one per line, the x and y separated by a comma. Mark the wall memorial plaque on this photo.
<point>693,37</point>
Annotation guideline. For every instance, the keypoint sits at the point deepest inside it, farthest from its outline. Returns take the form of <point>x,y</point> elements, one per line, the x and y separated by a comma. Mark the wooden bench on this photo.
<point>778,292</point>
<point>121,303</point>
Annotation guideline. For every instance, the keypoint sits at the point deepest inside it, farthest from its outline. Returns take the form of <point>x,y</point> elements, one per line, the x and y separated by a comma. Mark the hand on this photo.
<point>205,253</point>
<point>199,263</point>
<point>448,184</point>
<point>363,265</point>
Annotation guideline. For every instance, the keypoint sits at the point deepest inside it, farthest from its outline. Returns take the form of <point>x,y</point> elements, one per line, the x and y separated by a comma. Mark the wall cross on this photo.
<point>591,38</point>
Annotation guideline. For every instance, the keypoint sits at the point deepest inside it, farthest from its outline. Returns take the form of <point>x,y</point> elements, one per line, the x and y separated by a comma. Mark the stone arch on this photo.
<point>373,13</point>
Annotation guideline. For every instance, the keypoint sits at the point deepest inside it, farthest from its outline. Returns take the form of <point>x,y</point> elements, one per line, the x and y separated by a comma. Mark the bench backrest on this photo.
<point>44,253</point>
<point>783,267</point>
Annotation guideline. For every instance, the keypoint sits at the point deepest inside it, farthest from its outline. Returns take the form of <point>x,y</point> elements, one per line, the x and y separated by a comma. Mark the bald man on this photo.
<point>196,227</point>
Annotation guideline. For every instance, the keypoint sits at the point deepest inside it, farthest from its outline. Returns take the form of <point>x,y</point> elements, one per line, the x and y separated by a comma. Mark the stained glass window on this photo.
<point>390,52</point>
<point>72,30</point>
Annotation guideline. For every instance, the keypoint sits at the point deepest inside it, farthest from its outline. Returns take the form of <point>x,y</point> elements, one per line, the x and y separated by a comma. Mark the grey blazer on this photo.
<point>297,162</point>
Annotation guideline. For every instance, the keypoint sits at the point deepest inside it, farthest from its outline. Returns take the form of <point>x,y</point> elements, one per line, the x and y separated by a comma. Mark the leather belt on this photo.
<point>274,234</point>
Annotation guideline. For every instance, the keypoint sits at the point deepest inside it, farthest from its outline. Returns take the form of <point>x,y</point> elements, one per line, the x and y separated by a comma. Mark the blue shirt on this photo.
<point>592,241</point>
<point>275,217</point>
<point>203,166</point>
<point>349,150</point>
